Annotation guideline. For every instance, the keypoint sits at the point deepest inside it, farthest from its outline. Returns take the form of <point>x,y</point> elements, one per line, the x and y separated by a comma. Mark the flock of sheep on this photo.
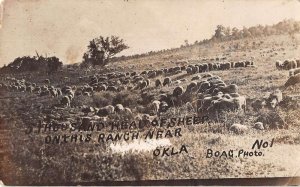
<point>293,65</point>
<point>204,93</point>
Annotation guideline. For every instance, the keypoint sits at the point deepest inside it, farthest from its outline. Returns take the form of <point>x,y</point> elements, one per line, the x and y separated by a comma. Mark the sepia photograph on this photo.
<point>149,92</point>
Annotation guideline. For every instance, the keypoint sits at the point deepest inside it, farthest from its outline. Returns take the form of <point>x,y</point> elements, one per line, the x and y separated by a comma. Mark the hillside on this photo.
<point>88,95</point>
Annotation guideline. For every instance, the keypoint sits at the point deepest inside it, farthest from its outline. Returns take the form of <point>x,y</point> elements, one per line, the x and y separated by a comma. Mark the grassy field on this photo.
<point>26,159</point>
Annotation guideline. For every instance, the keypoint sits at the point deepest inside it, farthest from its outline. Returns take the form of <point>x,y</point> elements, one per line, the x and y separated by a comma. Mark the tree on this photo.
<point>227,32</point>
<point>235,33</point>
<point>101,50</point>
<point>220,32</point>
<point>53,64</point>
<point>35,63</point>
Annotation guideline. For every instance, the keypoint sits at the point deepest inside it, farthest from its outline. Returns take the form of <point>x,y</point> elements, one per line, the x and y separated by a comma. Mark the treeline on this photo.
<point>31,64</point>
<point>102,50</point>
<point>284,27</point>
<point>223,33</point>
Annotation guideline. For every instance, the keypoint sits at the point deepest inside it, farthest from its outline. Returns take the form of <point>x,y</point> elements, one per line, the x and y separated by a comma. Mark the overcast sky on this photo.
<point>64,27</point>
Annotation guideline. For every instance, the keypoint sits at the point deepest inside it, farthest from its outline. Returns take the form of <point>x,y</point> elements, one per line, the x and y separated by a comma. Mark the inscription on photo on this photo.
<point>258,144</point>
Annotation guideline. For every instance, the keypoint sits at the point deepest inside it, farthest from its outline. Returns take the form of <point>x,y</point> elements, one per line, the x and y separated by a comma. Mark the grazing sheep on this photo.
<point>47,81</point>
<point>189,70</point>
<point>289,64</point>
<point>238,128</point>
<point>86,123</point>
<point>279,65</point>
<point>151,74</point>
<point>54,93</point>
<point>298,63</point>
<point>190,88</point>
<point>86,94</point>
<point>155,106</point>
<point>29,88</point>
<point>127,111</point>
<point>293,80</point>
<point>141,85</point>
<point>147,82</point>
<point>87,109</point>
<point>167,81</point>
<point>207,75</point>
<point>224,104</point>
<point>258,104</point>
<point>158,83</point>
<point>275,98</point>
<point>204,86</point>
<point>102,87</point>
<point>197,77</point>
<point>105,111</point>
<point>178,91</point>
<point>232,88</point>
<point>293,72</point>
<point>65,101</point>
<point>259,126</point>
<point>112,88</point>
<point>119,108</point>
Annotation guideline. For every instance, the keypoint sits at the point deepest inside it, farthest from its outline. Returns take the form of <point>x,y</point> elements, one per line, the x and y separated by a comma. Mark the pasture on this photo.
<point>122,92</point>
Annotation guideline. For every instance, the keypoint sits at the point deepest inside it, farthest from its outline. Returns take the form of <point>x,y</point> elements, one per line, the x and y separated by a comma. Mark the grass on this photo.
<point>27,160</point>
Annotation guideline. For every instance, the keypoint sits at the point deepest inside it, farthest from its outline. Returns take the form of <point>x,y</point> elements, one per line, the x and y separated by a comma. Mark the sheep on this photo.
<point>289,64</point>
<point>119,108</point>
<point>112,88</point>
<point>293,72</point>
<point>127,111</point>
<point>258,104</point>
<point>292,80</point>
<point>85,123</point>
<point>225,104</point>
<point>86,109</point>
<point>105,111</point>
<point>141,85</point>
<point>147,82</point>
<point>239,64</point>
<point>47,81</point>
<point>259,126</point>
<point>65,101</point>
<point>195,69</point>
<point>29,89</point>
<point>275,98</point>
<point>225,66</point>
<point>178,91</point>
<point>155,106</point>
<point>158,83</point>
<point>238,128</point>
<point>71,93</point>
<point>151,74</point>
<point>204,86</point>
<point>189,70</point>
<point>207,75</point>
<point>197,77</point>
<point>167,81</point>
<point>298,63</point>
<point>102,87</point>
<point>54,93</point>
<point>232,88</point>
<point>279,65</point>
<point>191,86</point>
<point>86,94</point>
<point>204,67</point>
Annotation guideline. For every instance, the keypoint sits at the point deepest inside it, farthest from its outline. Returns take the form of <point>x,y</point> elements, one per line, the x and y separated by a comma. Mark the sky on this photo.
<point>63,28</point>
